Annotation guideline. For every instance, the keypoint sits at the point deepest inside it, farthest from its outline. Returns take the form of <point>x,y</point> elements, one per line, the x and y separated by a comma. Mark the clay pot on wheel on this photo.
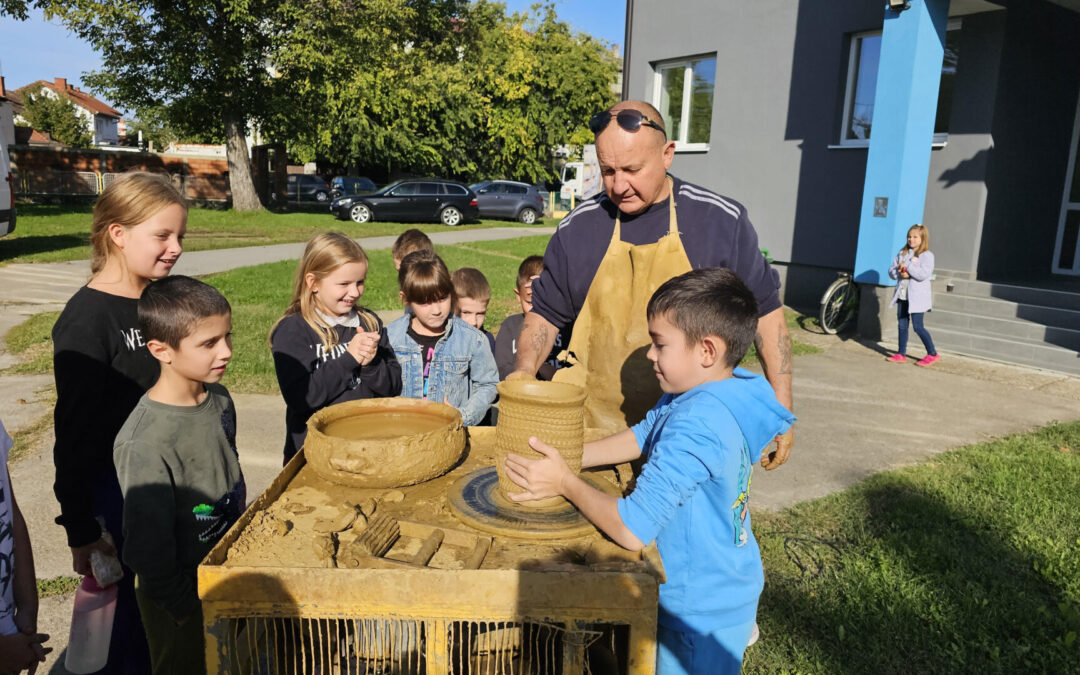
<point>551,411</point>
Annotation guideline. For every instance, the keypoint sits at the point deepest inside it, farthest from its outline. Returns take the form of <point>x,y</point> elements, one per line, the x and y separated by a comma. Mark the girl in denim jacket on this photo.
<point>442,358</point>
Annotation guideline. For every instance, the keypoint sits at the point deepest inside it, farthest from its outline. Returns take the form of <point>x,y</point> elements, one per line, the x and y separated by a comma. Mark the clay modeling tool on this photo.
<point>378,537</point>
<point>428,548</point>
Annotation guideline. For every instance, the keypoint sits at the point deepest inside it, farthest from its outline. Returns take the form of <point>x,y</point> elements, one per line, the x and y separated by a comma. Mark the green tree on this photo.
<point>57,115</point>
<point>373,82</point>
<point>537,84</point>
<point>442,88</point>
<point>14,8</point>
<point>155,127</point>
<point>207,60</point>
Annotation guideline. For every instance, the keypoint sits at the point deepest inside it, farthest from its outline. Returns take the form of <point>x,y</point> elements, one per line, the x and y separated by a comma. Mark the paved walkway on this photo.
<point>857,413</point>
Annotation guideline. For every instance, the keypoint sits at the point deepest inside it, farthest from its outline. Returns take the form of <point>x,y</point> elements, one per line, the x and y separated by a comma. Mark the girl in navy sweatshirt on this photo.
<point>102,368</point>
<point>327,349</point>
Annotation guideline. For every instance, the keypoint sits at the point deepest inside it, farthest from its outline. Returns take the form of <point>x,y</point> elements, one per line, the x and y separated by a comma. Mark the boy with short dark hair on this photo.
<point>506,340</point>
<point>177,465</point>
<point>407,242</point>
<point>472,293</point>
<point>700,443</point>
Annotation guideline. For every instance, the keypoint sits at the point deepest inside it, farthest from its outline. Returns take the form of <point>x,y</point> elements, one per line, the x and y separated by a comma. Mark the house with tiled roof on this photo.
<point>103,118</point>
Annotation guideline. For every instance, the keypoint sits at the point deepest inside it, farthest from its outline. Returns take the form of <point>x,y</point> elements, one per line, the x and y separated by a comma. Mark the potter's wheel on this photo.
<point>477,501</point>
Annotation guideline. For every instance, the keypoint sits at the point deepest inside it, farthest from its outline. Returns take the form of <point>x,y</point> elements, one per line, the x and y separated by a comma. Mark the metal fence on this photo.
<point>50,182</point>
<point>56,182</point>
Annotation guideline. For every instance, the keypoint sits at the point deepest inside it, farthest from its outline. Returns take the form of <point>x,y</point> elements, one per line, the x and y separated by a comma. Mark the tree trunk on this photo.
<point>241,184</point>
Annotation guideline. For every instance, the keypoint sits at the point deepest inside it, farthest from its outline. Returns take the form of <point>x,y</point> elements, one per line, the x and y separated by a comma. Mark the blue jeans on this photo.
<point>717,653</point>
<point>916,323</point>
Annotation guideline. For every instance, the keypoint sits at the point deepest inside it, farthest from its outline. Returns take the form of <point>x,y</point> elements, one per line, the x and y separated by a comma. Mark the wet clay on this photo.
<point>385,442</point>
<point>309,498</point>
<point>382,426</point>
<point>551,411</point>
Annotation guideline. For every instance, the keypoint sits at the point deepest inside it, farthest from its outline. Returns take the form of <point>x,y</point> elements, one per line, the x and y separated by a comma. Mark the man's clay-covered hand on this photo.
<point>780,450</point>
<point>522,375</point>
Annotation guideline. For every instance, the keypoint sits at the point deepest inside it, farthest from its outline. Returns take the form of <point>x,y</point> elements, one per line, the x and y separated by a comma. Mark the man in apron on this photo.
<point>613,251</point>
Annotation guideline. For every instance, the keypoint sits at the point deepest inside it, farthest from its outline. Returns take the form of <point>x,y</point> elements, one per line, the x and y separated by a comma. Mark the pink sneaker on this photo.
<point>928,360</point>
<point>896,358</point>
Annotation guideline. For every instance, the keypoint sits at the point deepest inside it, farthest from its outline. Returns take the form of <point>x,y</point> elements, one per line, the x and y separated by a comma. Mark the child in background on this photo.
<point>442,358</point>
<point>407,242</point>
<point>472,293</point>
<point>102,368</point>
<point>913,266</point>
<point>506,341</point>
<point>327,349</point>
<point>700,444</point>
<point>177,463</point>
<point>20,643</point>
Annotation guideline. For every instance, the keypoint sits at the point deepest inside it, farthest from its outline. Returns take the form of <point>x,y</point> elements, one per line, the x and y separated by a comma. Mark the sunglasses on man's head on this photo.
<point>631,120</point>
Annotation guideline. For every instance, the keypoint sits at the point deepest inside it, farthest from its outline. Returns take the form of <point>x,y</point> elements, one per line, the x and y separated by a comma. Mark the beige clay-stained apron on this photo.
<point>611,333</point>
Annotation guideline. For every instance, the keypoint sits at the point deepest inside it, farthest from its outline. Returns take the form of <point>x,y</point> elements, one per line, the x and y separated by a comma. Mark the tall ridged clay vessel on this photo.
<point>551,411</point>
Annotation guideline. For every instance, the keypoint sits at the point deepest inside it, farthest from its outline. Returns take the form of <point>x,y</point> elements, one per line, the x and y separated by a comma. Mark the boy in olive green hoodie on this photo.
<point>178,467</point>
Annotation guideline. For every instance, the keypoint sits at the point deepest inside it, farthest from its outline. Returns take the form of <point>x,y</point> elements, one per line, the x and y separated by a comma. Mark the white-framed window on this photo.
<point>683,93</point>
<point>862,76</point>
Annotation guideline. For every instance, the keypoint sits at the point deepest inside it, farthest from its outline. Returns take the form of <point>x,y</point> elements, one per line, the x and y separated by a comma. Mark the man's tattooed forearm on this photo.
<point>539,338</point>
<point>783,343</point>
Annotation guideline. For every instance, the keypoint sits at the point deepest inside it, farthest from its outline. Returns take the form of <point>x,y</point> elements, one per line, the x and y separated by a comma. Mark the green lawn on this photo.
<point>968,563</point>
<point>60,233</point>
<point>259,295</point>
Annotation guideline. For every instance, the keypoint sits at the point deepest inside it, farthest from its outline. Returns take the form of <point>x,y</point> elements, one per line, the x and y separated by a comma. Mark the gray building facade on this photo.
<point>790,106</point>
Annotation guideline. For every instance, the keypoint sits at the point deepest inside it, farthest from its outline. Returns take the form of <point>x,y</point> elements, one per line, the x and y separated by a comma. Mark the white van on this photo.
<point>7,194</point>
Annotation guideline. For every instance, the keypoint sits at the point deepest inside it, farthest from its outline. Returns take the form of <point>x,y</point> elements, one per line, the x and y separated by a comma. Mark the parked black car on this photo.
<point>306,188</point>
<point>509,199</point>
<point>421,199</point>
<point>351,185</point>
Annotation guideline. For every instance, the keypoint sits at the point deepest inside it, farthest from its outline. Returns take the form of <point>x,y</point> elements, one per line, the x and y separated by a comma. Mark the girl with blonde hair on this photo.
<point>102,368</point>
<point>912,268</point>
<point>326,348</point>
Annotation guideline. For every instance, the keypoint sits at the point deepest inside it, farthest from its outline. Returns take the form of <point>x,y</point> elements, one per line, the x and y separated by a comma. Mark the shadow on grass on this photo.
<point>918,586</point>
<point>22,246</point>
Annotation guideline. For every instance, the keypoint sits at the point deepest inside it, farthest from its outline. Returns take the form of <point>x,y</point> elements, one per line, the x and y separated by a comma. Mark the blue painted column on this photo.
<point>905,105</point>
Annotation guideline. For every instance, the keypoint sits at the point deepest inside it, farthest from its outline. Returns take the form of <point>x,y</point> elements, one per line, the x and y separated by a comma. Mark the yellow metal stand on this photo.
<point>506,617</point>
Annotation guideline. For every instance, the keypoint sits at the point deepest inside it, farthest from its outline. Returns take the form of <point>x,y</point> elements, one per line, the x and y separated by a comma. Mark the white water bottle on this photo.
<point>91,628</point>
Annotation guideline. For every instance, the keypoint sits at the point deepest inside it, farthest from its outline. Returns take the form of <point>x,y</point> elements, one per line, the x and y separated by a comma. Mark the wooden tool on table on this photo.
<point>369,548</point>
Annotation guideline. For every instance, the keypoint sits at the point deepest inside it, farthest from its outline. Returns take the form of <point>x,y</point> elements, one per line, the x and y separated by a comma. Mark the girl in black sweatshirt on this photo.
<point>327,349</point>
<point>102,368</point>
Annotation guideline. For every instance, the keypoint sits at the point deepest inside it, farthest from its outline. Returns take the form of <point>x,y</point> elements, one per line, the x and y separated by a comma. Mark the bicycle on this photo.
<point>839,304</point>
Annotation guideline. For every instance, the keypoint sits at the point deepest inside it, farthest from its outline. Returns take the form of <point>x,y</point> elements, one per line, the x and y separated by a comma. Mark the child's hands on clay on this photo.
<point>541,478</point>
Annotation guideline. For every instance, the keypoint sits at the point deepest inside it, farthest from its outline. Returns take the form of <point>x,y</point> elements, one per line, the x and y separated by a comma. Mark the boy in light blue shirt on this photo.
<point>700,441</point>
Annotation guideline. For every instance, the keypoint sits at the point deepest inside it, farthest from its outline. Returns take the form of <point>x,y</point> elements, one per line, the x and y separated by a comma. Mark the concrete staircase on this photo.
<point>1014,324</point>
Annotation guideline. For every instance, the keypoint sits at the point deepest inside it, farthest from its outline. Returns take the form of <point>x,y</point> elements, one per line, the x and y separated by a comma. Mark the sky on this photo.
<point>39,50</point>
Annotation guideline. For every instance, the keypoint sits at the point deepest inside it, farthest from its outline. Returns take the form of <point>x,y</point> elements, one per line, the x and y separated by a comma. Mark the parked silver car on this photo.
<point>509,199</point>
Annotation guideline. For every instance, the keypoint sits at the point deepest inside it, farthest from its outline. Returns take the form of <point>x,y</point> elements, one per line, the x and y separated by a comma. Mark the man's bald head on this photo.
<point>646,109</point>
<point>634,164</point>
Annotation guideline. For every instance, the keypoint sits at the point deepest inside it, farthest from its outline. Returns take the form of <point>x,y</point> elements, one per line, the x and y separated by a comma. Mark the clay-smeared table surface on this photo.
<point>294,529</point>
